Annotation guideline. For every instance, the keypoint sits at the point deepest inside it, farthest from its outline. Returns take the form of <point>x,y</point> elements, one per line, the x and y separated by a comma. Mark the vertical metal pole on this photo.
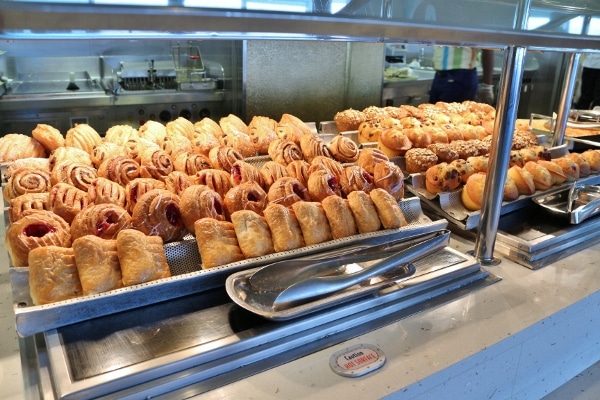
<point>506,115</point>
<point>565,100</point>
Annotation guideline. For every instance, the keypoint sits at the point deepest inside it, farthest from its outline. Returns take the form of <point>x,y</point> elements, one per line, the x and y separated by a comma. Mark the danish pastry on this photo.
<point>177,182</point>
<point>223,157</point>
<point>286,191</point>
<point>142,258</point>
<point>299,170</point>
<point>119,169</point>
<point>67,201</point>
<point>180,127</point>
<point>217,243</point>
<point>137,187</point>
<point>253,233</point>
<point>136,146</point>
<point>369,156</point>
<point>103,190</point>
<point>53,275</point>
<point>339,215</point>
<point>313,222</point>
<point>390,214</point>
<point>190,163</point>
<point>284,151</point>
<point>356,178</point>
<point>120,134</point>
<point>197,202</point>
<point>270,172</point>
<point>83,137</point>
<point>153,131</point>
<point>14,146</point>
<point>209,126</point>
<point>175,144</point>
<point>216,179</point>
<point>203,142</point>
<point>322,184</point>
<point>157,213</point>
<point>156,164</point>
<point>102,220</point>
<point>78,174</point>
<point>245,196</point>
<point>48,136</point>
<point>98,264</point>
<point>242,172</point>
<point>389,176</point>
<point>105,150</point>
<point>364,212</point>
<point>30,201</point>
<point>313,146</point>
<point>285,230</point>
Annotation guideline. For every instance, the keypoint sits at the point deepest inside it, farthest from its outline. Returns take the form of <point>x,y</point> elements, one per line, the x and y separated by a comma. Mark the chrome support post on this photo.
<point>565,100</point>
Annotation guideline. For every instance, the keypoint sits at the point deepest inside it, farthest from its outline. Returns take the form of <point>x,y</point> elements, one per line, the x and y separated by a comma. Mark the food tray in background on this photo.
<point>188,277</point>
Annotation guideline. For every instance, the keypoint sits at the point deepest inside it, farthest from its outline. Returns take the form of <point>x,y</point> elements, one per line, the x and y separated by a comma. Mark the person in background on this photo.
<point>456,77</point>
<point>590,83</point>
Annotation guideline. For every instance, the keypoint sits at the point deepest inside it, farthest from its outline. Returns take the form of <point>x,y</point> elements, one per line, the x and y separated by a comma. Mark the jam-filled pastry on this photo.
<point>584,166</point>
<point>78,174</point>
<point>284,151</point>
<point>389,176</point>
<point>343,149</point>
<point>26,180</point>
<point>356,178</point>
<point>53,275</point>
<point>339,215</point>
<point>190,163</point>
<point>157,213</point>
<point>120,134</point>
<point>197,202</point>
<point>270,172</point>
<point>207,125</point>
<point>322,184</point>
<point>136,146</point>
<point>245,196</point>
<point>84,137</point>
<point>203,142</point>
<point>313,222</point>
<point>142,258</point>
<point>155,164</point>
<point>48,136</point>
<point>24,202</point>
<point>216,179</point>
<point>35,228</point>
<point>180,127</point>
<point>313,146</point>
<point>153,131</point>
<point>102,220</point>
<point>299,170</point>
<point>253,233</point>
<point>177,182</point>
<point>389,211</point>
<point>14,146</point>
<point>330,165</point>
<point>223,157</point>
<point>70,154</point>
<point>217,242</point>
<point>105,150</point>
<point>370,156</point>
<point>285,230</point>
<point>287,191</point>
<point>67,201</point>
<point>97,264</point>
<point>137,187</point>
<point>175,144</point>
<point>119,169</point>
<point>364,212</point>
<point>242,172</point>
<point>103,190</point>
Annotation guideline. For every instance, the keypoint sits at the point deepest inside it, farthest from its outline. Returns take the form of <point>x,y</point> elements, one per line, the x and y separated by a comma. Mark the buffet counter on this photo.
<point>519,338</point>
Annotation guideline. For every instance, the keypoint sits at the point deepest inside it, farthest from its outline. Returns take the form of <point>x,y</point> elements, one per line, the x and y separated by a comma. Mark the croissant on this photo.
<point>216,179</point>
<point>119,169</point>
<point>389,176</point>
<point>180,126</point>
<point>287,191</point>
<point>36,228</point>
<point>223,157</point>
<point>313,146</point>
<point>24,202</point>
<point>343,149</point>
<point>270,172</point>
<point>67,201</point>
<point>356,178</point>
<point>233,123</point>
<point>136,146</point>
<point>102,220</point>
<point>177,182</point>
<point>198,201</point>
<point>175,144</point>
<point>78,174</point>
<point>190,163</point>
<point>157,213</point>
<point>120,134</point>
<point>299,170</point>
<point>137,187</point>
<point>14,146</point>
<point>322,184</point>
<point>26,180</point>
<point>48,136</point>
<point>105,150</point>
<point>245,196</point>
<point>153,131</point>
<point>284,151</point>
<point>242,172</point>
<point>155,164</point>
<point>103,190</point>
<point>207,125</point>
<point>83,137</point>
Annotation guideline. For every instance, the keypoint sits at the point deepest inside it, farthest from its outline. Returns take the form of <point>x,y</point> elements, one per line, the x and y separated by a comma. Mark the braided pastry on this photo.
<point>136,146</point>
<point>71,154</point>
<point>313,146</point>
<point>48,136</point>
<point>190,163</point>
<point>180,127</point>
<point>241,172</point>
<point>177,182</point>
<point>137,187</point>
<point>103,190</point>
<point>14,146</point>
<point>24,202</point>
<point>153,131</point>
<point>270,172</point>
<point>67,201</point>
<point>216,179</point>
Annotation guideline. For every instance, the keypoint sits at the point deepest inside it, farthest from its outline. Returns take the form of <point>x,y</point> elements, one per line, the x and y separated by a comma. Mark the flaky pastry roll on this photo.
<point>97,264</point>
<point>217,242</point>
<point>313,222</point>
<point>253,233</point>
<point>285,230</point>
<point>53,275</point>
<point>142,258</point>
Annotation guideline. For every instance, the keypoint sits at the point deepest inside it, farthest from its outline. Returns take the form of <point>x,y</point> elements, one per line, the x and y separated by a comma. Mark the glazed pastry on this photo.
<point>153,131</point>
<point>14,146</point>
<point>190,163</point>
<point>70,154</point>
<point>103,190</point>
<point>120,134</point>
<point>287,191</point>
<point>67,201</point>
<point>35,228</point>
<point>348,120</point>
<point>207,125</point>
<point>78,174</point>
<point>141,258</point>
<point>177,182</point>
<point>197,202</point>
<point>541,176</point>
<point>284,151</point>
<point>339,215</point>
<point>97,264</point>
<point>119,169</point>
<point>442,177</point>
<point>299,170</point>
<point>444,152</point>
<point>523,179</point>
<point>322,184</point>
<point>223,157</point>
<point>136,146</point>
<point>270,172</point>
<point>343,149</point>
<point>389,176</point>
<point>30,201</point>
<point>137,187</point>
<point>104,151</point>
<point>155,164</point>
<point>30,162</point>
<point>175,144</point>
<point>253,233</point>
<point>356,178</point>
<point>570,168</point>
<point>203,142</point>
<point>53,275</point>
<point>157,213</point>
<point>465,169</point>
<point>83,137</point>
<point>419,160</point>
<point>240,141</point>
<point>246,196</point>
<point>313,146</point>
<point>313,222</point>
<point>285,230</point>
<point>26,180</point>
<point>364,212</point>
<point>48,136</point>
<point>216,179</point>
<point>180,127</point>
<point>217,243</point>
<point>556,172</point>
<point>389,211</point>
<point>592,156</point>
<point>368,157</point>
<point>584,165</point>
<point>102,220</point>
<point>242,172</point>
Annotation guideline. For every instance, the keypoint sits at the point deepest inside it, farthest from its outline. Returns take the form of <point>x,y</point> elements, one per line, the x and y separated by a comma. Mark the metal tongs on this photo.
<point>583,201</point>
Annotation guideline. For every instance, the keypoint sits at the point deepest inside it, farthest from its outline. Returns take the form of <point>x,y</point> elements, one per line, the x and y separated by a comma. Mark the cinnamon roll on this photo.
<point>223,157</point>
<point>389,176</point>
<point>177,182</point>
<point>103,190</point>
<point>343,149</point>
<point>270,172</point>
<point>313,146</point>
<point>70,154</point>
<point>119,169</point>
<point>299,170</point>
<point>284,151</point>
<point>155,164</point>
<point>29,162</point>
<point>36,228</point>
<point>77,174</point>
<point>190,163</point>
<point>102,220</point>
<point>67,201</point>
<point>242,172</point>
<point>30,201</point>
<point>287,191</point>
<point>83,137</point>
<point>322,184</point>
<point>137,188</point>
<point>216,179</point>
<point>105,150</point>
<point>120,134</point>
<point>245,196</point>
<point>157,213</point>
<point>356,178</point>
<point>26,180</point>
<point>198,201</point>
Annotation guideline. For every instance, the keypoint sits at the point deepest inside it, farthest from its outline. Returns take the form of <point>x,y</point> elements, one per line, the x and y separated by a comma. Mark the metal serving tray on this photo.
<point>187,277</point>
<point>576,203</point>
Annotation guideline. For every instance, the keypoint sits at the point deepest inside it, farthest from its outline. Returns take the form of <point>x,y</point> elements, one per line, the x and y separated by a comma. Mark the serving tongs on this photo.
<point>282,274</point>
<point>320,286</point>
<point>579,202</point>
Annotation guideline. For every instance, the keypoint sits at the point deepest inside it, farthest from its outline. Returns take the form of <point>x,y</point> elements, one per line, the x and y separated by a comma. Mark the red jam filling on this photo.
<point>298,190</point>
<point>252,196</point>
<point>38,229</point>
<point>236,174</point>
<point>110,219</point>
<point>172,213</point>
<point>134,194</point>
<point>368,178</point>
